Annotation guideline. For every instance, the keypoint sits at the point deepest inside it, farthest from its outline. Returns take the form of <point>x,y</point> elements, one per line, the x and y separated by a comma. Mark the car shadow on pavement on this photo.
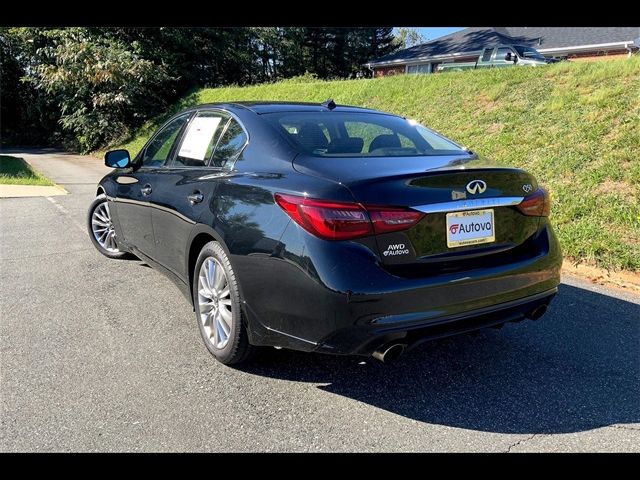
<point>576,369</point>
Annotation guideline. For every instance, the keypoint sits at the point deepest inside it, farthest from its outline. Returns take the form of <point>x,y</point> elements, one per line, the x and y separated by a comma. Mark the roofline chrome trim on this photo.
<point>469,204</point>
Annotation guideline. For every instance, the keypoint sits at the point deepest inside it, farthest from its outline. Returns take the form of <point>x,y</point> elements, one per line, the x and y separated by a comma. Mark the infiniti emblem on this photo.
<point>476,186</point>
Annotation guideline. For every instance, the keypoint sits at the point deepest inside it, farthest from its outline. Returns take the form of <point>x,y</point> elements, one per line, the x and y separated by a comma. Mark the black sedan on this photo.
<point>328,228</point>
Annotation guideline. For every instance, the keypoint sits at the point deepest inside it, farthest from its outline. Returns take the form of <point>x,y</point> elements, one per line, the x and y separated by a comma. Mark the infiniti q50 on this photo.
<point>328,228</point>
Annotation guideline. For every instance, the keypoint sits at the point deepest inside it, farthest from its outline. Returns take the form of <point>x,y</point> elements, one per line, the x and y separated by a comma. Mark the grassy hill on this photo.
<point>576,126</point>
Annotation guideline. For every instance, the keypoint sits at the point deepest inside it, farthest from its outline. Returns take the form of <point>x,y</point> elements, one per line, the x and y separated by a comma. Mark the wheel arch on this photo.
<point>200,236</point>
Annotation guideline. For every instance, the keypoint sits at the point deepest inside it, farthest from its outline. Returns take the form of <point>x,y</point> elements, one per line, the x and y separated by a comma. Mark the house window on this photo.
<point>422,68</point>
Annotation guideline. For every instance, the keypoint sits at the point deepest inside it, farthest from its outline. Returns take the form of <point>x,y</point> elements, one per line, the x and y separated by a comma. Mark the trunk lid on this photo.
<point>436,186</point>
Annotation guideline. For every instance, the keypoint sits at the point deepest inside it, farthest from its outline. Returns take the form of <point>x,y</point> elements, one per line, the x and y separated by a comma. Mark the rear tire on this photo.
<point>101,230</point>
<point>216,299</point>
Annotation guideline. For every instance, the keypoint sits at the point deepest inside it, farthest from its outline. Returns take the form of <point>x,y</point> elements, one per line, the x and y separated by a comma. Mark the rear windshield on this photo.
<point>341,134</point>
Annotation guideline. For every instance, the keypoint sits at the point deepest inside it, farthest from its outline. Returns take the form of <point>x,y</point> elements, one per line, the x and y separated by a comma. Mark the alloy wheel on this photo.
<point>214,301</point>
<point>102,228</point>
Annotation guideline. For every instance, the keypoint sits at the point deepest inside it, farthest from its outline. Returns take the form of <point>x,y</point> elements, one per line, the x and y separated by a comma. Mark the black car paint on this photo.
<point>302,292</point>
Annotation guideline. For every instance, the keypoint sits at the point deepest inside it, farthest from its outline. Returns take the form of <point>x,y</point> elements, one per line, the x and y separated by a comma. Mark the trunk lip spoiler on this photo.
<point>468,204</point>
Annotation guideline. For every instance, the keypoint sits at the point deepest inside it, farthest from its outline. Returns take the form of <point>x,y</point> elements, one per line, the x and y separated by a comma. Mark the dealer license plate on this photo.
<point>470,228</point>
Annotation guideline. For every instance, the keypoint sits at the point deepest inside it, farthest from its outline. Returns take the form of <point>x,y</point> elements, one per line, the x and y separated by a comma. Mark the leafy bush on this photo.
<point>103,88</point>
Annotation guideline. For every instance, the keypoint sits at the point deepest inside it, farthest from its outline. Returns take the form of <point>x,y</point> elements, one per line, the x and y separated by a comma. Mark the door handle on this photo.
<point>195,197</point>
<point>146,190</point>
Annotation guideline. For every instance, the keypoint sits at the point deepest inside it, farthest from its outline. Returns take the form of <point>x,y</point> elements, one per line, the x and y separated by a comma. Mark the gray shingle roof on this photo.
<point>474,39</point>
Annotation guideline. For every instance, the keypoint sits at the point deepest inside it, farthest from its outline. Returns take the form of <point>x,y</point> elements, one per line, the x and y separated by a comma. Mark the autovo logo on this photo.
<point>396,249</point>
<point>470,227</point>
<point>476,186</point>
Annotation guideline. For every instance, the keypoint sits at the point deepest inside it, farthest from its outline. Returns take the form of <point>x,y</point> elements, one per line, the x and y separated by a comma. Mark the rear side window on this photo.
<point>342,134</point>
<point>200,139</point>
<point>486,55</point>
<point>230,145</point>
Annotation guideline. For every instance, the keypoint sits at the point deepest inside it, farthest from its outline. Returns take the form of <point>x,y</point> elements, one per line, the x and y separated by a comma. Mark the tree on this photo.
<point>408,37</point>
<point>102,87</point>
<point>93,85</point>
<point>26,117</point>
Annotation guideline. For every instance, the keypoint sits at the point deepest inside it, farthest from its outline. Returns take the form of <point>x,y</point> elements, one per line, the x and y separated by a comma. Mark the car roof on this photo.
<point>262,107</point>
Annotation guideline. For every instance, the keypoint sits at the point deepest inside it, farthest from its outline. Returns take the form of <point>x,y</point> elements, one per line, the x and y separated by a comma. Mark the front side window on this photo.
<point>342,134</point>
<point>160,148</point>
<point>502,53</point>
<point>199,139</point>
<point>230,145</point>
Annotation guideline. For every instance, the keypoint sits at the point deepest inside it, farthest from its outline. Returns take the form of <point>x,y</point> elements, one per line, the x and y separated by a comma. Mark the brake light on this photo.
<point>345,220</point>
<point>536,205</point>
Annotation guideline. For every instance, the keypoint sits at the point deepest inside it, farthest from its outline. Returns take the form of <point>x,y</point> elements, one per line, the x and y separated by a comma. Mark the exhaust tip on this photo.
<point>389,354</point>
<point>537,312</point>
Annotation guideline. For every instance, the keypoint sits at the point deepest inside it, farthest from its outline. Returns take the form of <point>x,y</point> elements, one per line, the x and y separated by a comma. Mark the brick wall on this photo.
<point>386,71</point>
<point>591,56</point>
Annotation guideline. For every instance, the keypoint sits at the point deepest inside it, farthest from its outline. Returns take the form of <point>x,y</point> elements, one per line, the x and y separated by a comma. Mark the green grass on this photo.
<point>575,125</point>
<point>15,171</point>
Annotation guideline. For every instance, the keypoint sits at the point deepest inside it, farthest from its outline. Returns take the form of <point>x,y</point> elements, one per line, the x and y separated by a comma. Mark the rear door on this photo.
<point>185,188</point>
<point>135,191</point>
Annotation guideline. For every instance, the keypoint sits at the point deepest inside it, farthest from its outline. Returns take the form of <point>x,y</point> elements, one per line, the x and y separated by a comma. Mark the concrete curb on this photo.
<point>16,191</point>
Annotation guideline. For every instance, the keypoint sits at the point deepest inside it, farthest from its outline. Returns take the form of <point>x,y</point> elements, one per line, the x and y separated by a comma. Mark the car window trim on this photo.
<point>138,158</point>
<point>209,164</point>
<point>240,150</point>
<point>215,147</point>
<point>170,165</point>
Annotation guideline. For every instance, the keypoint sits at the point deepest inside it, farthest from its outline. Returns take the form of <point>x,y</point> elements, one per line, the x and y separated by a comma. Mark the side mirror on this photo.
<point>117,159</point>
<point>507,57</point>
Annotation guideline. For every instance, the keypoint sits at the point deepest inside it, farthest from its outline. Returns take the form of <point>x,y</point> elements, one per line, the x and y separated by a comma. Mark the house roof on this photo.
<point>472,40</point>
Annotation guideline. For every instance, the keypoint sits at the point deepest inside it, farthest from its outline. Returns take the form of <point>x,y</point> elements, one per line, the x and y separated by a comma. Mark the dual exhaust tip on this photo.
<point>392,352</point>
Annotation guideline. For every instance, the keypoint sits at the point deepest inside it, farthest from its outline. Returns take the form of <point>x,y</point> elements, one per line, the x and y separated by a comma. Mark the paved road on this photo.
<point>105,355</point>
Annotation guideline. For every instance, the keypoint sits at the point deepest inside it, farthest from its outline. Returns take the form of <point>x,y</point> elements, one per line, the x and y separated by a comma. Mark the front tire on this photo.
<point>101,229</point>
<point>216,298</point>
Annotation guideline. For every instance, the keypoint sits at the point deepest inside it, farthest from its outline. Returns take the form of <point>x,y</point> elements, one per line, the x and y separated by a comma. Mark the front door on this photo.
<point>136,189</point>
<point>500,58</point>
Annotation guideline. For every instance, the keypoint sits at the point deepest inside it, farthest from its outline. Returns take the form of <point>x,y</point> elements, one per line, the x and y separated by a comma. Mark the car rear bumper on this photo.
<point>364,340</point>
<point>338,299</point>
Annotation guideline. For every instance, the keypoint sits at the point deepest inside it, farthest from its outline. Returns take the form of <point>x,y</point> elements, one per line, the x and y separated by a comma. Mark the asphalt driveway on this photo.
<point>104,355</point>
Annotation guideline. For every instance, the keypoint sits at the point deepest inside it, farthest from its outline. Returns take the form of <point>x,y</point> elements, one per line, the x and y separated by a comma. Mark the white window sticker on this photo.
<point>198,137</point>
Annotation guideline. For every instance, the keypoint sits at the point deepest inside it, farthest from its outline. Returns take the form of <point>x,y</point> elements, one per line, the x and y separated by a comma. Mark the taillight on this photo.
<point>536,205</point>
<point>328,220</point>
<point>345,220</point>
<point>388,219</point>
